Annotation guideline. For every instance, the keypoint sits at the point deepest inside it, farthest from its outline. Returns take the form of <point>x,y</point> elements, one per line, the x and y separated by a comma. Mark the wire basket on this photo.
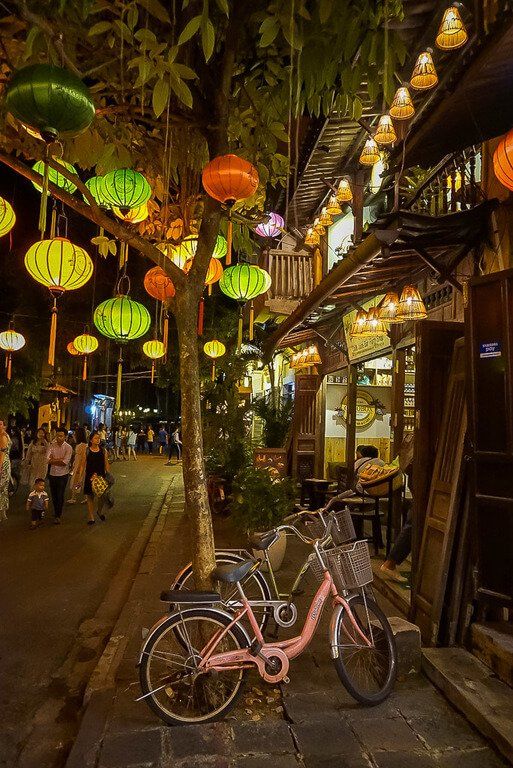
<point>342,529</point>
<point>350,565</point>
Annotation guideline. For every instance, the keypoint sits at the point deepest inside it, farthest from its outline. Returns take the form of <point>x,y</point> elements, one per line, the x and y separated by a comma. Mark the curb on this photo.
<point>100,689</point>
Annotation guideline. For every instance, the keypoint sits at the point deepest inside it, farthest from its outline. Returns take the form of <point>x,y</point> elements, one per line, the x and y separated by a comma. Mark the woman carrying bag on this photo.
<point>96,482</point>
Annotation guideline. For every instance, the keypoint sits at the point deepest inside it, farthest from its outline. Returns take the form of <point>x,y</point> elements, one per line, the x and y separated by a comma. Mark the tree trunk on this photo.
<point>196,495</point>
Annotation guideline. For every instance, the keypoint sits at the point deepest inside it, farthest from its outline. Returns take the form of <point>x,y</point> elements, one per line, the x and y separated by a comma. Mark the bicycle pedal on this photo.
<point>286,680</point>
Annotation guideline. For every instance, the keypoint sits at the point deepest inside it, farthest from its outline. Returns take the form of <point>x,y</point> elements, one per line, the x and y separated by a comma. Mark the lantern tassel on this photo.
<point>118,383</point>
<point>239,333</point>
<point>123,255</point>
<point>9,366</point>
<point>229,237</point>
<point>84,369</point>
<point>210,289</point>
<point>153,371</point>
<point>201,314</point>
<point>53,223</point>
<point>251,320</point>
<point>213,370</point>
<point>165,334</point>
<point>53,336</point>
<point>44,202</point>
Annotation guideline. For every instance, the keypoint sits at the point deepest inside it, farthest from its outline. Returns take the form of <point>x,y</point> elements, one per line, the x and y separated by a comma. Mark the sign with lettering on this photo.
<point>365,409</point>
<point>490,349</point>
<point>359,347</point>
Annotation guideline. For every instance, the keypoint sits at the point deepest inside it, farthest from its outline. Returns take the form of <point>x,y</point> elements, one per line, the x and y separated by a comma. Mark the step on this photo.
<point>492,643</point>
<point>473,689</point>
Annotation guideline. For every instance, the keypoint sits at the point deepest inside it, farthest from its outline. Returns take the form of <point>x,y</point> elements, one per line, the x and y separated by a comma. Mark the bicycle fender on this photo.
<point>338,610</point>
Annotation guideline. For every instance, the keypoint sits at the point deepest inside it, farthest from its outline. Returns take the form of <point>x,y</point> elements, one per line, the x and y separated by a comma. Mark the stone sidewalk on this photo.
<point>310,723</point>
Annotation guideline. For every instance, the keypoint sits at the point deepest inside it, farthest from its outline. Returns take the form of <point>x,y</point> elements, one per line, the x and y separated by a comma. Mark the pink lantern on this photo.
<point>272,227</point>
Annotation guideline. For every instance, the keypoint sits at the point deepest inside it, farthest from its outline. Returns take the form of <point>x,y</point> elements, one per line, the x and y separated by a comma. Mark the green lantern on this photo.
<point>122,319</point>
<point>244,282</point>
<point>7,217</point>
<point>54,177</point>
<point>94,186</point>
<point>49,100</point>
<point>124,188</point>
<point>220,248</point>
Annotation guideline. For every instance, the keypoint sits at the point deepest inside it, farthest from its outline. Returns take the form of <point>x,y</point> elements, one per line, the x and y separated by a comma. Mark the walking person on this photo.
<point>35,463</point>
<point>131,440</point>
<point>162,439</point>
<point>95,465</point>
<point>124,443</point>
<point>37,503</point>
<point>175,446</point>
<point>5,471</point>
<point>59,457</point>
<point>77,474</point>
<point>141,440</point>
<point>151,438</point>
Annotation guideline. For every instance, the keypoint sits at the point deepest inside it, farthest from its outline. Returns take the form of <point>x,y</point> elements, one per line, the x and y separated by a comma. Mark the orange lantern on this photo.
<point>160,287</point>
<point>73,351</point>
<point>229,178</point>
<point>503,160</point>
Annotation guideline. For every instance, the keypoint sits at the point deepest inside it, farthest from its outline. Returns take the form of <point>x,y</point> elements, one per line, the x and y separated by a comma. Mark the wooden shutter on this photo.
<point>443,506</point>
<point>307,455</point>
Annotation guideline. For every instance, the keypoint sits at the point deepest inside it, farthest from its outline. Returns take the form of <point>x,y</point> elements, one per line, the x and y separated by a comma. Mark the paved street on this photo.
<point>52,580</point>
<point>310,723</point>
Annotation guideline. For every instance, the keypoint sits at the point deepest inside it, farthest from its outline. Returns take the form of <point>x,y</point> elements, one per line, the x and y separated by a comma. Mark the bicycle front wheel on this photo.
<point>171,680</point>
<point>366,669</point>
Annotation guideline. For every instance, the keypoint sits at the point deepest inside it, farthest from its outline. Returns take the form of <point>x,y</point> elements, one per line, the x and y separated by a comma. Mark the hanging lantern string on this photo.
<point>44,195</point>
<point>53,224</point>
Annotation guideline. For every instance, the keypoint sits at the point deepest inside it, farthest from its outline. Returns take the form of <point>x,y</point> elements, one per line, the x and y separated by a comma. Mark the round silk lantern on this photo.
<point>54,177</point>
<point>229,178</point>
<point>503,160</point>
<point>7,217</point>
<point>125,188</point>
<point>244,282</point>
<point>61,266</point>
<point>220,248</point>
<point>214,349</point>
<point>272,227</point>
<point>94,186</point>
<point>154,349</point>
<point>85,344</point>
<point>50,100</point>
<point>73,351</point>
<point>158,284</point>
<point>10,341</point>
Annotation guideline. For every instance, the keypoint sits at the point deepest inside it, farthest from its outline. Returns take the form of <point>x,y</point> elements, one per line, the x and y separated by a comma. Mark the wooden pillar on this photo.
<point>351,421</point>
<point>317,266</point>
<point>397,416</point>
<point>321,428</point>
<point>358,198</point>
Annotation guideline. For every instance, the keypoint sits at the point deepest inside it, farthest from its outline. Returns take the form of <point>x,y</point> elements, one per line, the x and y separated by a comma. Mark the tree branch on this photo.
<point>97,216</point>
<point>46,27</point>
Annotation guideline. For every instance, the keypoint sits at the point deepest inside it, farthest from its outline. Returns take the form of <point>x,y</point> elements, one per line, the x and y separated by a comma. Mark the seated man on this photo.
<point>365,456</point>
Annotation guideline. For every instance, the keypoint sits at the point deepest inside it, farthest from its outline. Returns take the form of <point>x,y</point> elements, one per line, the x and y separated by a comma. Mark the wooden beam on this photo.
<point>443,274</point>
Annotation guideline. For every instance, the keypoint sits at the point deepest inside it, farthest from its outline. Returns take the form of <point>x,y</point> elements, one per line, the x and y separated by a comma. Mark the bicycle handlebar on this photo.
<point>305,539</point>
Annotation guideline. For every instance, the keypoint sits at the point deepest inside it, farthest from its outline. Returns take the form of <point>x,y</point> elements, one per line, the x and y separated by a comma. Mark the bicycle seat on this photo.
<point>264,541</point>
<point>230,573</point>
<point>186,596</point>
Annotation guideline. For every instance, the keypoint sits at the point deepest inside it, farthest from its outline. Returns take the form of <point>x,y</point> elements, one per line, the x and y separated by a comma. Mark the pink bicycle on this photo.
<point>193,662</point>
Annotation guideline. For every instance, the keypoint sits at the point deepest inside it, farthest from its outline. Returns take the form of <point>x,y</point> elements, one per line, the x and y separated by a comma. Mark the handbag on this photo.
<point>99,485</point>
<point>375,479</point>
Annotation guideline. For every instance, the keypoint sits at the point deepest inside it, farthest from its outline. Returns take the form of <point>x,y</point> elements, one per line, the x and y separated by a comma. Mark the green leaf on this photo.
<point>160,96</point>
<point>269,30</point>
<point>182,90</point>
<point>132,17</point>
<point>223,6</point>
<point>99,28</point>
<point>208,39</point>
<point>156,9</point>
<point>325,9</point>
<point>184,72</point>
<point>189,30</point>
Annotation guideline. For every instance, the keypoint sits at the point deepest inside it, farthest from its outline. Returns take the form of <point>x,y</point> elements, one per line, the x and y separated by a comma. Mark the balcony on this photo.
<point>292,279</point>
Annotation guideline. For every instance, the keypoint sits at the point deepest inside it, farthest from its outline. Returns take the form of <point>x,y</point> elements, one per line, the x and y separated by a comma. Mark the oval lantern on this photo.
<point>61,266</point>
<point>125,188</point>
<point>158,284</point>
<point>51,100</point>
<point>229,178</point>
<point>214,349</point>
<point>272,227</point>
<point>10,341</point>
<point>133,215</point>
<point>154,349</point>
<point>214,270</point>
<point>244,282</point>
<point>73,351</point>
<point>220,248</point>
<point>54,177</point>
<point>85,344</point>
<point>7,217</point>
<point>503,160</point>
<point>94,186</point>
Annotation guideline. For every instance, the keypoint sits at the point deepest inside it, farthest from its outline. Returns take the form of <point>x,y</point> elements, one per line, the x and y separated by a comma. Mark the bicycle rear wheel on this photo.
<point>368,672</point>
<point>172,683</point>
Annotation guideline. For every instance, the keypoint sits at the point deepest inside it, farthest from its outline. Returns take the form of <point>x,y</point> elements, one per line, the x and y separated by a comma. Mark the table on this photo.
<point>315,490</point>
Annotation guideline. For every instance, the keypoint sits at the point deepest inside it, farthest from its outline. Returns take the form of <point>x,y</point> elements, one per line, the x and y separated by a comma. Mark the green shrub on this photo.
<point>261,501</point>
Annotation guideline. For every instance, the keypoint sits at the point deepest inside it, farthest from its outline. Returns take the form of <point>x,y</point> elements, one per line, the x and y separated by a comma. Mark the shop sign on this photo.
<point>365,409</point>
<point>490,349</point>
<point>359,347</point>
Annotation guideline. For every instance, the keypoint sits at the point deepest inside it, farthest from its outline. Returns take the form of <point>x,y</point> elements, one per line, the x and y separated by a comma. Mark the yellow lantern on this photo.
<point>7,217</point>
<point>85,344</point>
<point>374,324</point>
<point>154,349</point>
<point>312,237</point>
<point>325,218</point>
<point>60,266</point>
<point>344,191</point>
<point>402,106</point>
<point>333,207</point>
<point>411,306</point>
<point>360,323</point>
<point>10,341</point>
<point>214,349</point>
<point>132,215</point>
<point>452,33</point>
<point>388,308</point>
<point>370,152</point>
<point>424,73</point>
<point>318,227</point>
<point>385,132</point>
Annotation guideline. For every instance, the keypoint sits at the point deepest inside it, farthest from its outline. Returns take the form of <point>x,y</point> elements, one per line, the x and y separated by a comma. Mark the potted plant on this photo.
<point>261,500</point>
<point>276,412</point>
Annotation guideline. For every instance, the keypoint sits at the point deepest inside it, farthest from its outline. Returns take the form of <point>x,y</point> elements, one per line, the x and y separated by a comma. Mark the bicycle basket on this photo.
<point>350,565</point>
<point>316,568</point>
<point>342,529</point>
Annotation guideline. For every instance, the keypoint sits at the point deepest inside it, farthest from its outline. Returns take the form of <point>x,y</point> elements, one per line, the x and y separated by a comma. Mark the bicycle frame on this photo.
<point>283,650</point>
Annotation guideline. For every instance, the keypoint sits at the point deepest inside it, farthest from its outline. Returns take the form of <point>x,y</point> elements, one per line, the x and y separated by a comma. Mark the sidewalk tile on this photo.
<point>124,750</point>
<point>306,707</point>
<point>196,740</point>
<point>476,758</point>
<point>404,760</point>
<point>268,738</point>
<point>387,734</point>
<point>337,761</point>
<point>321,739</point>
<point>278,761</point>
<point>446,729</point>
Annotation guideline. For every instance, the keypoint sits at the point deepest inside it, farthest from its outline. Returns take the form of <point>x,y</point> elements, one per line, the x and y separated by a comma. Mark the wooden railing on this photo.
<point>291,273</point>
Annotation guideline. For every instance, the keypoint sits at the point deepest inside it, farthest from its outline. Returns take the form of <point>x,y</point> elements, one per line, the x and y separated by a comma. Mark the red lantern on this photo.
<point>158,284</point>
<point>229,178</point>
<point>503,160</point>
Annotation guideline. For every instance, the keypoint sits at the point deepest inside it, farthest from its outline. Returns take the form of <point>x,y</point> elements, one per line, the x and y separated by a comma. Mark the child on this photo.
<point>37,502</point>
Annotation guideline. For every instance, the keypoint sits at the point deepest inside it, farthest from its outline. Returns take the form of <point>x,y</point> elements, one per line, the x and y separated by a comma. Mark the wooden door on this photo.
<point>307,453</point>
<point>490,361</point>
<point>434,345</point>
<point>443,506</point>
